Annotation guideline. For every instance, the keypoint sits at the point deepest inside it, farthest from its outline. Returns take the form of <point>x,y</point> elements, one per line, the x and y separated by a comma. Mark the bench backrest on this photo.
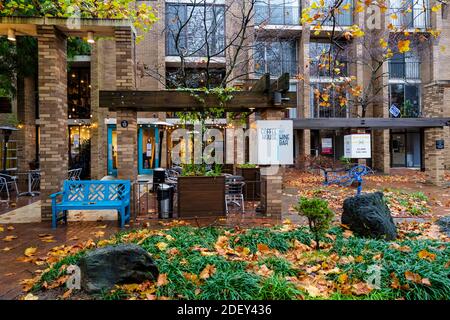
<point>96,190</point>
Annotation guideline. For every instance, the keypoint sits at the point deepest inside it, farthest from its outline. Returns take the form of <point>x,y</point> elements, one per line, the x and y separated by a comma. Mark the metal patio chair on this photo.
<point>6,182</point>
<point>74,174</point>
<point>234,192</point>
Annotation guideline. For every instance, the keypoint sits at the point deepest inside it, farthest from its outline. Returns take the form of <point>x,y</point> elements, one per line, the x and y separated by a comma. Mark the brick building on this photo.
<point>62,118</point>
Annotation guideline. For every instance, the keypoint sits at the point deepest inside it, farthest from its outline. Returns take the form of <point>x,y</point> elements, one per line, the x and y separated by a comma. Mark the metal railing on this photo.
<point>277,67</point>
<point>277,15</point>
<point>404,70</point>
<point>343,18</point>
<point>410,18</point>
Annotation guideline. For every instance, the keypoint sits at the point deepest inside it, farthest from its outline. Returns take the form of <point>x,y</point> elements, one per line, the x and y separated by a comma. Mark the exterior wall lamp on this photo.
<point>11,34</point>
<point>90,37</point>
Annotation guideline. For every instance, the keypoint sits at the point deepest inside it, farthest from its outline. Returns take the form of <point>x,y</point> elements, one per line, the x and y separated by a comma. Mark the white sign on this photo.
<point>357,146</point>
<point>274,139</point>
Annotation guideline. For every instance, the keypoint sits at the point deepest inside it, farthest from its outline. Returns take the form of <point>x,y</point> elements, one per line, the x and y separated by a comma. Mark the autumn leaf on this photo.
<point>208,271</point>
<point>414,277</point>
<point>6,249</point>
<point>343,278</point>
<point>162,246</point>
<point>361,288</point>
<point>30,251</point>
<point>98,234</point>
<point>162,280</point>
<point>67,294</point>
<point>30,296</point>
<point>263,248</point>
<point>347,234</point>
<point>403,46</point>
<point>424,254</point>
<point>9,238</point>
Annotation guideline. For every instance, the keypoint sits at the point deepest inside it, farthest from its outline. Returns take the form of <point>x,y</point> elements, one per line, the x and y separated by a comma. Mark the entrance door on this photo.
<point>398,147</point>
<point>112,150</point>
<point>148,149</point>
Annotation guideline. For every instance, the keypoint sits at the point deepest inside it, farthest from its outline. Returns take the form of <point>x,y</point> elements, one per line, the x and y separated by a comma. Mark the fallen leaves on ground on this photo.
<point>162,280</point>
<point>208,271</point>
<point>29,252</point>
<point>9,238</point>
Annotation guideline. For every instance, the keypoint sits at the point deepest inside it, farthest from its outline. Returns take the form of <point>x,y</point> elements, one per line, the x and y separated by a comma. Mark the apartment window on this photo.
<point>275,57</point>
<point>320,58</point>
<point>342,17</point>
<point>405,66</point>
<point>326,102</point>
<point>406,98</point>
<point>195,30</point>
<point>193,77</point>
<point>277,12</point>
<point>410,14</point>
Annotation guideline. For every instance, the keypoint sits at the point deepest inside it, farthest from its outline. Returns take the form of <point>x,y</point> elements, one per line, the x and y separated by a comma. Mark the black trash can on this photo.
<point>159,176</point>
<point>164,197</point>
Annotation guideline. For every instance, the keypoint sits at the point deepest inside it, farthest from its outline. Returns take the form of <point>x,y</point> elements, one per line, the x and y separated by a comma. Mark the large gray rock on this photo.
<point>105,267</point>
<point>368,215</point>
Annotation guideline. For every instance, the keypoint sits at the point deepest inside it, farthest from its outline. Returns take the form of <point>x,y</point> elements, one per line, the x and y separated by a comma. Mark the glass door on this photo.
<point>148,149</point>
<point>112,150</point>
<point>398,147</point>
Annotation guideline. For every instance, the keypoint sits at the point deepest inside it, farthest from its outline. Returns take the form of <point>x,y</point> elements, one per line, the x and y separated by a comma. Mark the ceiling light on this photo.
<point>90,37</point>
<point>11,35</point>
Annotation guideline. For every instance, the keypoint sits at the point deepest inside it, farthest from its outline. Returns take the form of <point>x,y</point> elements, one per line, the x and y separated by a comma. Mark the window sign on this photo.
<point>327,146</point>
<point>357,146</point>
<point>394,110</point>
<point>274,142</point>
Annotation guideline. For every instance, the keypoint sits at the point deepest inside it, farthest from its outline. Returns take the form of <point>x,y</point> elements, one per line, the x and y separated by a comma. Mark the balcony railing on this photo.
<point>416,18</point>
<point>329,112</point>
<point>277,15</point>
<point>404,70</point>
<point>276,67</point>
<point>342,19</point>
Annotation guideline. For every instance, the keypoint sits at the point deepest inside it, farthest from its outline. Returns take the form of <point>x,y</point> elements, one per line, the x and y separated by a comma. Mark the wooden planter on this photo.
<point>201,196</point>
<point>252,178</point>
<point>5,105</point>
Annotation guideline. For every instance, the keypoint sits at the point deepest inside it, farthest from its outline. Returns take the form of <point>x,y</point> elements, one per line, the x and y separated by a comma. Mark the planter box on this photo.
<point>201,196</point>
<point>252,178</point>
<point>5,105</point>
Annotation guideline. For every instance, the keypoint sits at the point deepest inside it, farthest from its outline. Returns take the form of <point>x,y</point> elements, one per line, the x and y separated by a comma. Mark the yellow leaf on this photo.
<point>383,43</point>
<point>30,296</point>
<point>9,238</point>
<point>162,280</point>
<point>162,246</point>
<point>30,251</point>
<point>424,254</point>
<point>436,8</point>
<point>403,46</point>
<point>343,278</point>
<point>208,271</point>
<point>394,16</point>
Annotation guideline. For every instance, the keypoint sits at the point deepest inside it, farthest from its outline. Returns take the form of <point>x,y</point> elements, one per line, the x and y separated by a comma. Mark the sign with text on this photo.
<point>357,146</point>
<point>274,139</point>
<point>327,146</point>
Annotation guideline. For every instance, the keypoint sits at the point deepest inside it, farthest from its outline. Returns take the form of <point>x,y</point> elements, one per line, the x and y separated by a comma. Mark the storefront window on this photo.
<point>80,149</point>
<point>405,98</point>
<point>112,150</point>
<point>11,155</point>
<point>79,93</point>
<point>148,150</point>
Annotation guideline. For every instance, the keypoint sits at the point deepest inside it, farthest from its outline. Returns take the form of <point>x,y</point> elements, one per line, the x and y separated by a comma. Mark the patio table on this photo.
<point>33,176</point>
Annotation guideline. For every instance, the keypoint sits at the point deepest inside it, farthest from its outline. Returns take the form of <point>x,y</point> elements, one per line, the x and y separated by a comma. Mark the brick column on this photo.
<point>380,151</point>
<point>271,188</point>
<point>52,113</point>
<point>125,80</point>
<point>434,158</point>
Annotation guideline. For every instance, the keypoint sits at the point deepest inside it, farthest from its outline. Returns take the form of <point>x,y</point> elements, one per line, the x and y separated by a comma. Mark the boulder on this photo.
<point>368,215</point>
<point>105,267</point>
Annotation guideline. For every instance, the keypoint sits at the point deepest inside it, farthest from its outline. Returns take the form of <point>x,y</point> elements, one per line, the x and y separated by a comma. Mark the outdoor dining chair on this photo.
<point>234,191</point>
<point>74,174</point>
<point>6,182</point>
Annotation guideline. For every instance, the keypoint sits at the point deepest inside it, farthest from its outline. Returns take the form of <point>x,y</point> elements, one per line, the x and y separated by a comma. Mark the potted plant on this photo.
<point>252,177</point>
<point>201,192</point>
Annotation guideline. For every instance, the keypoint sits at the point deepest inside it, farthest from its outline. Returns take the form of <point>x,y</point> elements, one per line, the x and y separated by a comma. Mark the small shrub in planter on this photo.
<point>318,214</point>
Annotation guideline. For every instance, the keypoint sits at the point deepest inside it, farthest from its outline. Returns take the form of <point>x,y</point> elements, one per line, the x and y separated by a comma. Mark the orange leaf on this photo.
<point>424,254</point>
<point>414,277</point>
<point>162,280</point>
<point>208,271</point>
<point>263,248</point>
<point>361,288</point>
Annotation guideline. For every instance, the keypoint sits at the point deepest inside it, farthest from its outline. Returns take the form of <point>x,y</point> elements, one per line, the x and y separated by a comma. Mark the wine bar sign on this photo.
<point>357,146</point>
<point>274,142</point>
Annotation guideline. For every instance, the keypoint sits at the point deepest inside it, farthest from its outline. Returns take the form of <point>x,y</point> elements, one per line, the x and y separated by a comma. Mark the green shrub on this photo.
<point>318,214</point>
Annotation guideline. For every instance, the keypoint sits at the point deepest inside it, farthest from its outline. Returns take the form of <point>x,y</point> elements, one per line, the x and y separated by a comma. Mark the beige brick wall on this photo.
<point>52,113</point>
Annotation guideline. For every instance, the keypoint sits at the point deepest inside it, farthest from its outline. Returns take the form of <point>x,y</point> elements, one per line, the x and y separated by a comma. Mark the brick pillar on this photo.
<point>52,113</point>
<point>125,80</point>
<point>271,188</point>
<point>434,158</point>
<point>380,151</point>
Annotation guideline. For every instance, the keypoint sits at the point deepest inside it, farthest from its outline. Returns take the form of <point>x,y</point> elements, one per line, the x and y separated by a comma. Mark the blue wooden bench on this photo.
<point>92,195</point>
<point>346,177</point>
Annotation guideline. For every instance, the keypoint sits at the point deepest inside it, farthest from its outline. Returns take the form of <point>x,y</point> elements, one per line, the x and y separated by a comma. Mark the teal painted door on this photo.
<point>148,149</point>
<point>112,150</point>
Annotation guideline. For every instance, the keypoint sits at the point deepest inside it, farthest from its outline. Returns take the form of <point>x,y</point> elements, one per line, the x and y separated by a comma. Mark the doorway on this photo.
<point>406,149</point>
<point>112,150</point>
<point>148,149</point>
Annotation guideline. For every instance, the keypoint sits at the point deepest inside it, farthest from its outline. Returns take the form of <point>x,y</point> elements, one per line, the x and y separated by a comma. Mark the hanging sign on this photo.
<point>357,146</point>
<point>274,140</point>
<point>327,146</point>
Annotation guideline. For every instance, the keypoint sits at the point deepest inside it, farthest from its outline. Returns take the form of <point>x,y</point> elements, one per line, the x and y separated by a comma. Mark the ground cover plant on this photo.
<point>268,263</point>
